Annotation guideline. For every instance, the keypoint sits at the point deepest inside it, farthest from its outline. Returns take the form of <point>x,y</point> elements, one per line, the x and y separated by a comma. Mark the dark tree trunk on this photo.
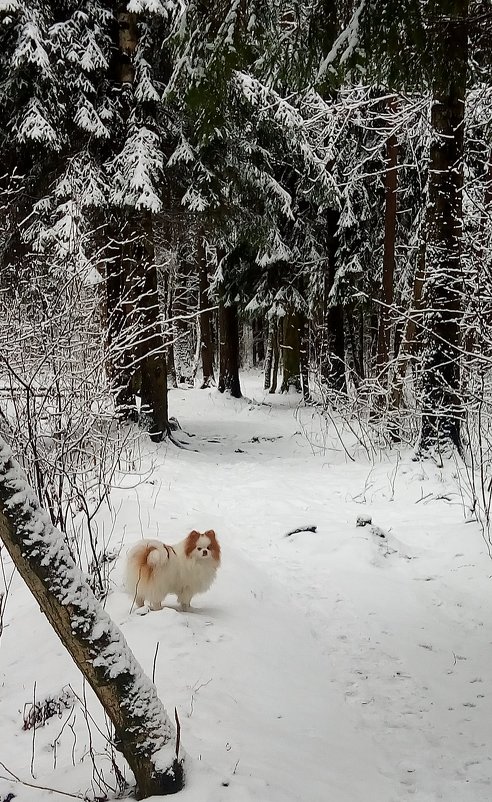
<point>137,363</point>
<point>409,339</point>
<point>152,358</point>
<point>291,352</point>
<point>333,363</point>
<point>183,335</point>
<point>206,340</point>
<point>136,358</point>
<point>277,344</point>
<point>356,339</point>
<point>229,350</point>
<point>142,729</point>
<point>390,210</point>
<point>258,325</point>
<point>441,406</point>
<point>120,356</point>
<point>272,339</point>
<point>304,357</point>
<point>168,292</point>
<point>335,321</point>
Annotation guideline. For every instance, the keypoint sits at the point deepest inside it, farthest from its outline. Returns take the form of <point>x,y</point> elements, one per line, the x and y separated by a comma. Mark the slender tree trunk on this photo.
<point>229,350</point>
<point>356,339</point>
<point>390,210</point>
<point>334,369</point>
<point>335,321</point>
<point>304,357</point>
<point>246,341</point>
<point>291,348</point>
<point>127,43</point>
<point>143,731</point>
<point>272,336</point>
<point>168,292</point>
<point>119,350</point>
<point>206,341</point>
<point>183,340</point>
<point>258,325</point>
<point>441,406</point>
<point>152,358</point>
<point>409,339</point>
<point>277,344</point>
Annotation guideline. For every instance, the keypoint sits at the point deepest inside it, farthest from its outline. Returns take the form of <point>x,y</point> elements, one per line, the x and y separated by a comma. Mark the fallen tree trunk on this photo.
<point>142,729</point>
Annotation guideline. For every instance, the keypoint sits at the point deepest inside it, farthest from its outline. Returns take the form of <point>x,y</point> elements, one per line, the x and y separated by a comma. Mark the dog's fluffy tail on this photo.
<point>156,555</point>
<point>143,559</point>
<point>144,564</point>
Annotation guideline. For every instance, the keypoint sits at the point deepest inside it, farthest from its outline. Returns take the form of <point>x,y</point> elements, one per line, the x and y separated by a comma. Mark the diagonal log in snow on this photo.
<point>143,731</point>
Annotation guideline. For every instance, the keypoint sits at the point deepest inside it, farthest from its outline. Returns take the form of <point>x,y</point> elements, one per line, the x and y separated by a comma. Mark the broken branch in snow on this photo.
<point>178,732</point>
<point>301,529</point>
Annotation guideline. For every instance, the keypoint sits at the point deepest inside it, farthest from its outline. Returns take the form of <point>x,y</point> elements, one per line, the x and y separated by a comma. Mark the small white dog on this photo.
<point>154,569</point>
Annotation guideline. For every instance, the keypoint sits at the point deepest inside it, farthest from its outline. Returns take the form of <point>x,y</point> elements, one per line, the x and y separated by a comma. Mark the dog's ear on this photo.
<point>191,541</point>
<point>214,544</point>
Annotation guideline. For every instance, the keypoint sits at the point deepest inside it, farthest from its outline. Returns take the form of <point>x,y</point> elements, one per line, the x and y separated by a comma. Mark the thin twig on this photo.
<point>39,787</point>
<point>33,729</point>
<point>178,732</point>
<point>154,661</point>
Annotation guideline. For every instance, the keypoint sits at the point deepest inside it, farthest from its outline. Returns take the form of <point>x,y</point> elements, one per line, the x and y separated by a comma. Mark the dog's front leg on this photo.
<point>185,603</point>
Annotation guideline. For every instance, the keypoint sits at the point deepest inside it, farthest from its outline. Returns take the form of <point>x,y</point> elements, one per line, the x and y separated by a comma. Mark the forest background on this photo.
<point>191,189</point>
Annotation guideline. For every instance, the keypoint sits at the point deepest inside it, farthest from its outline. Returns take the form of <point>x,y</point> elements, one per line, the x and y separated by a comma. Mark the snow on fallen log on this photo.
<point>143,731</point>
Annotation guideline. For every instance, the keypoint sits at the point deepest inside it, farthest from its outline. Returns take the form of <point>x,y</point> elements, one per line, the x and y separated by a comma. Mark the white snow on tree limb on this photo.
<point>37,537</point>
<point>150,7</point>
<point>36,126</point>
<point>30,49</point>
<point>346,43</point>
<point>137,170</point>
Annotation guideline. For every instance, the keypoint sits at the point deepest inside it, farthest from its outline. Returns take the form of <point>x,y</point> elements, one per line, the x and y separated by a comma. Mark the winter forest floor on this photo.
<point>336,666</point>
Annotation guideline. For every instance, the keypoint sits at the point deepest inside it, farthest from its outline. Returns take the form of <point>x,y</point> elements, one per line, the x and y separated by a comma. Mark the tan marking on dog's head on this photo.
<point>191,542</point>
<point>214,544</point>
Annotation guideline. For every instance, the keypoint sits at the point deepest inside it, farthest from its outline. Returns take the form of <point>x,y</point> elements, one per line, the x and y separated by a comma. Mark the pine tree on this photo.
<point>82,130</point>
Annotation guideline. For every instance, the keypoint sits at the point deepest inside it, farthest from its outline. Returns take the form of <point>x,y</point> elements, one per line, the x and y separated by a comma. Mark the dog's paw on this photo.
<point>143,610</point>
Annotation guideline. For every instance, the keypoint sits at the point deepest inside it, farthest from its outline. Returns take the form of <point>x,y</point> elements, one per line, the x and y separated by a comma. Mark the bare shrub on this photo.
<point>37,712</point>
<point>56,408</point>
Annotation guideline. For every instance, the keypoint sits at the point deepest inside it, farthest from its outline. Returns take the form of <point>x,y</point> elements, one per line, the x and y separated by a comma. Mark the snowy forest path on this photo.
<point>330,665</point>
<point>361,648</point>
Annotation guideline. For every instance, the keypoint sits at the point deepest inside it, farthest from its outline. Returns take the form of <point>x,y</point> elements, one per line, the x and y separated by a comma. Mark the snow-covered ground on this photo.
<point>337,665</point>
